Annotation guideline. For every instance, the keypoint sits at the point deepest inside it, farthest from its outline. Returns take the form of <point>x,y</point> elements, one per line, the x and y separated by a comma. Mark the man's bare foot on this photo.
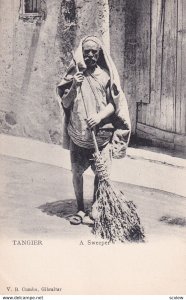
<point>88,220</point>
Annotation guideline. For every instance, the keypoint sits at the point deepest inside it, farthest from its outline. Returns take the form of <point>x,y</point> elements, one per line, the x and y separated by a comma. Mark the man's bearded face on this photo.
<point>91,53</point>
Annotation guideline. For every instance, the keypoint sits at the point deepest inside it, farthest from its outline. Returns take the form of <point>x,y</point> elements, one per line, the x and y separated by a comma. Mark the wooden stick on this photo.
<point>92,130</point>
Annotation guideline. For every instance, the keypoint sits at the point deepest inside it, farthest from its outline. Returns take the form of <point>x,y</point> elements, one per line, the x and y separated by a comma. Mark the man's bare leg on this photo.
<point>79,162</point>
<point>78,189</point>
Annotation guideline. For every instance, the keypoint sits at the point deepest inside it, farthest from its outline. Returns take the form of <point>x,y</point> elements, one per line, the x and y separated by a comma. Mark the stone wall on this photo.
<point>34,54</point>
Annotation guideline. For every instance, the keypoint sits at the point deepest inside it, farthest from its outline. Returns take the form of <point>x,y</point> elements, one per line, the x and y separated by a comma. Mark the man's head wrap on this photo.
<point>92,39</point>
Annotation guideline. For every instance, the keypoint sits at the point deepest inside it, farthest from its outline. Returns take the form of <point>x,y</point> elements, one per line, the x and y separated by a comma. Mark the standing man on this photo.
<point>92,99</point>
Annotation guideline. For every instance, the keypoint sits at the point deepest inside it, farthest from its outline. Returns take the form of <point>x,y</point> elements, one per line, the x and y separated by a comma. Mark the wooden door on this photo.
<point>161,66</point>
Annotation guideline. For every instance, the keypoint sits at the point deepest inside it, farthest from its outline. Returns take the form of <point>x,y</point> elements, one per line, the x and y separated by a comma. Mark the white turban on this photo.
<point>92,39</point>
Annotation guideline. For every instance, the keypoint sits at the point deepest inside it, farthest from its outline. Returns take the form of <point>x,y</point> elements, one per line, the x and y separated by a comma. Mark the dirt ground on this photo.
<point>36,200</point>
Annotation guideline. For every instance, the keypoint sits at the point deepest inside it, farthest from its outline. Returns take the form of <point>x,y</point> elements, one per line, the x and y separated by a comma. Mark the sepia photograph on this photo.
<point>92,148</point>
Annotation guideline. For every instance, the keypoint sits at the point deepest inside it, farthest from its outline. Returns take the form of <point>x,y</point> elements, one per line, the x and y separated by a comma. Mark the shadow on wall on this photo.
<point>31,56</point>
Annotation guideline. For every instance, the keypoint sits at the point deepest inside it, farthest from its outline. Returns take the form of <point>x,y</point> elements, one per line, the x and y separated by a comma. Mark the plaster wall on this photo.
<point>34,55</point>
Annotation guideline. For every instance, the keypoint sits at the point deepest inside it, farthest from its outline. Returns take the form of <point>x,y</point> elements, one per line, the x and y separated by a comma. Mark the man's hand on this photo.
<point>94,120</point>
<point>78,79</point>
<point>71,94</point>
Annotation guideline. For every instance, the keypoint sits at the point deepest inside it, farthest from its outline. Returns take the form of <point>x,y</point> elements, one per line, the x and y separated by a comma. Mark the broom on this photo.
<point>115,218</point>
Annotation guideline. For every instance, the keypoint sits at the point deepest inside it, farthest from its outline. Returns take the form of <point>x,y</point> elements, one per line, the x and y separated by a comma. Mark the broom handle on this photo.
<point>92,130</point>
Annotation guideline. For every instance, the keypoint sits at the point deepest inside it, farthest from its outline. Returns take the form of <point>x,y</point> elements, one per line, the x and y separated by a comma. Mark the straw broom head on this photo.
<point>116,219</point>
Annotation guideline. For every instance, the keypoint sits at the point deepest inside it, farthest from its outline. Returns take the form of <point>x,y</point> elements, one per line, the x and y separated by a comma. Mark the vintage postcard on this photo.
<point>92,148</point>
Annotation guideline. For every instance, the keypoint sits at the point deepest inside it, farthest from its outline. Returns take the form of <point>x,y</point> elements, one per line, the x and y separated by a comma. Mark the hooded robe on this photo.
<point>120,119</point>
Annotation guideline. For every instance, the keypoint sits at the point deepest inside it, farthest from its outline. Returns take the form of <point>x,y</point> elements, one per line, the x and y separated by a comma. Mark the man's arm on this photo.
<point>95,119</point>
<point>71,94</point>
